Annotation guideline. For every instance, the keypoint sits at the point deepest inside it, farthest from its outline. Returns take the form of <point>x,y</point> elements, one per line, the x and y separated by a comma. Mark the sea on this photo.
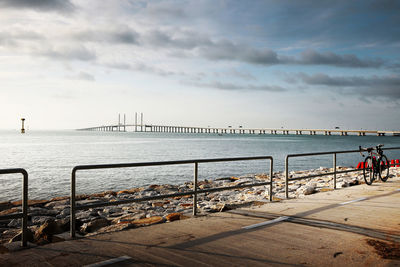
<point>49,157</point>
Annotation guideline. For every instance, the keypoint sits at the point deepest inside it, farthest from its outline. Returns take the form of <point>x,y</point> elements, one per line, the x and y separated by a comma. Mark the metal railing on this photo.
<point>334,173</point>
<point>24,213</point>
<point>194,192</point>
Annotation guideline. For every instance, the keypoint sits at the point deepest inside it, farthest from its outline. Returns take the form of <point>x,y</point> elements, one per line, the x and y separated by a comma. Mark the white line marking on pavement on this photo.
<point>352,201</point>
<point>109,262</point>
<point>279,219</point>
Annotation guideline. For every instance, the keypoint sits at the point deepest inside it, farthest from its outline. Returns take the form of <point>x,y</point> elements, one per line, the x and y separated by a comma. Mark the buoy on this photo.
<point>22,128</point>
<point>397,163</point>
<point>392,163</point>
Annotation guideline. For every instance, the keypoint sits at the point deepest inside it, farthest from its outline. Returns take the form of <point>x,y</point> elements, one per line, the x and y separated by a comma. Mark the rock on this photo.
<point>18,237</point>
<point>354,182</point>
<point>86,214</point>
<point>148,221</point>
<point>326,189</point>
<point>87,201</point>
<point>218,207</point>
<point>112,228</point>
<point>307,189</point>
<point>46,231</point>
<point>173,216</point>
<point>128,218</point>
<point>102,194</point>
<point>130,191</point>
<point>15,223</point>
<point>36,211</point>
<point>94,225</point>
<point>39,220</point>
<point>9,211</point>
<point>59,198</point>
<point>31,202</point>
<point>111,210</point>
<point>343,184</point>
<point>65,212</point>
<point>54,204</point>
<point>5,205</point>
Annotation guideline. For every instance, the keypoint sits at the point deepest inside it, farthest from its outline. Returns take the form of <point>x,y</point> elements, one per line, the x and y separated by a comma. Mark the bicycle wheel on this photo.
<point>368,171</point>
<point>384,168</point>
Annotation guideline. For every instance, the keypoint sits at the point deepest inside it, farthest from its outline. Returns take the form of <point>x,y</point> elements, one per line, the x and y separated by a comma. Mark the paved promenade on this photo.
<point>355,226</point>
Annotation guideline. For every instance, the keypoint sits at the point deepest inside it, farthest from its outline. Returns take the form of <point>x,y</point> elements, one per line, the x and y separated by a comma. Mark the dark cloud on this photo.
<point>374,86</point>
<point>120,35</point>
<point>141,67</point>
<point>68,53</point>
<point>165,11</point>
<point>177,39</point>
<point>236,87</point>
<point>63,6</point>
<point>311,57</point>
<point>326,23</point>
<point>228,50</point>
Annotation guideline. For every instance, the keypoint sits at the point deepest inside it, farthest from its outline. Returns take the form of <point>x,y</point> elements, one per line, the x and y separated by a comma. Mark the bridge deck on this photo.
<point>230,130</point>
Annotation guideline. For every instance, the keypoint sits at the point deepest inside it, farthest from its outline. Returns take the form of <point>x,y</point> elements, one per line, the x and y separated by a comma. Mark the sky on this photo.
<point>67,64</point>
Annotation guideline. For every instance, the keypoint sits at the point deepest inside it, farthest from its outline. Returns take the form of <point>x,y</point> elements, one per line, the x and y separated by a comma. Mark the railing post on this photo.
<point>287,176</point>
<point>24,209</point>
<point>196,170</point>
<point>72,204</point>
<point>271,171</point>
<point>334,170</point>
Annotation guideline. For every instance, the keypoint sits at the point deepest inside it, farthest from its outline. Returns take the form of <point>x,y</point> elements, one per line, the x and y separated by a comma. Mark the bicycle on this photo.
<point>375,165</point>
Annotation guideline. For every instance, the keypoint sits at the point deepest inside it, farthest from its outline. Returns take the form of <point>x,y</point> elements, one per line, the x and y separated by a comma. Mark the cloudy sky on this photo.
<point>273,63</point>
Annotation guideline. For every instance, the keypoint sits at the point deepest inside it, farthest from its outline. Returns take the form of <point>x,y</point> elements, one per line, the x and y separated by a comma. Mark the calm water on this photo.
<point>49,157</point>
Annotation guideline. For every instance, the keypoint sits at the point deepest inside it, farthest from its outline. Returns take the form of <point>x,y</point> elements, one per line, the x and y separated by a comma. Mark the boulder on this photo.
<point>102,194</point>
<point>94,225</point>
<point>51,227</point>
<point>173,216</point>
<point>57,203</point>
<point>31,202</point>
<point>39,220</point>
<point>36,211</point>
<point>5,205</point>
<point>112,228</point>
<point>18,237</point>
<point>326,189</point>
<point>15,223</point>
<point>128,218</point>
<point>354,182</point>
<point>86,214</point>
<point>9,211</point>
<point>148,221</point>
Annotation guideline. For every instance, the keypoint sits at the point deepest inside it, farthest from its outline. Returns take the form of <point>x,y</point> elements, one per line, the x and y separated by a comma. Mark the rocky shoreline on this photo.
<point>49,219</point>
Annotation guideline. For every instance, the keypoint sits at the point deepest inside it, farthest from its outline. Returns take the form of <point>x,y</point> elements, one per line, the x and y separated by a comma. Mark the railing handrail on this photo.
<point>24,214</point>
<point>334,153</point>
<point>161,163</point>
<point>194,192</point>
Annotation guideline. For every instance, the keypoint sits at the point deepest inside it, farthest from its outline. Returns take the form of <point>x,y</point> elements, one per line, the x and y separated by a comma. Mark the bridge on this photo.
<point>142,127</point>
<point>229,130</point>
